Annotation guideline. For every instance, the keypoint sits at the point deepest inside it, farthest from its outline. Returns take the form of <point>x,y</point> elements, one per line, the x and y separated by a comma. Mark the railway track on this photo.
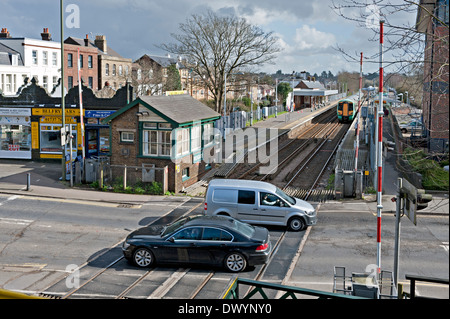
<point>111,276</point>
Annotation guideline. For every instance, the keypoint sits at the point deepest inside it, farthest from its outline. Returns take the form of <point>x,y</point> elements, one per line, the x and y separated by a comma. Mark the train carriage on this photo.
<point>346,110</point>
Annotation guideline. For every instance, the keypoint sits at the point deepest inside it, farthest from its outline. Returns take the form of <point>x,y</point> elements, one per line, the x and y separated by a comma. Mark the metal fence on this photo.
<point>145,179</point>
<point>240,119</point>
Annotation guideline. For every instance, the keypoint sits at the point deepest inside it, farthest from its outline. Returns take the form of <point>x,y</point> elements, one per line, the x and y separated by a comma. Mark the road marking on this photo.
<point>14,221</point>
<point>445,246</point>
<point>9,199</point>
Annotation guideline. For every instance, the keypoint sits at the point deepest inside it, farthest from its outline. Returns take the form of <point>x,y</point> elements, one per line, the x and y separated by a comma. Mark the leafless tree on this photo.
<point>215,46</point>
<point>417,48</point>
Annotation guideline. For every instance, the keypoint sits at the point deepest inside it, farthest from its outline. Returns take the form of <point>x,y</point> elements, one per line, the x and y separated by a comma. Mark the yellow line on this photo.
<point>5,294</point>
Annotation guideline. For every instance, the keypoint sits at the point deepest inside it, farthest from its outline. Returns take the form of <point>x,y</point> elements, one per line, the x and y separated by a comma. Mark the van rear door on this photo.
<point>248,206</point>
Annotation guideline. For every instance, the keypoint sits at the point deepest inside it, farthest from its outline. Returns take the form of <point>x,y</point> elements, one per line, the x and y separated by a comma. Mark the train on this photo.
<point>346,110</point>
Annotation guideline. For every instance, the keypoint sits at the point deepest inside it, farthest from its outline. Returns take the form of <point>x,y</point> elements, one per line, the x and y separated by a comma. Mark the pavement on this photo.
<point>45,178</point>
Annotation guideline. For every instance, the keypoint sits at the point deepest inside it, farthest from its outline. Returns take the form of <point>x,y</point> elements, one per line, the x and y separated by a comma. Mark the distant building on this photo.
<point>29,58</point>
<point>435,103</point>
<point>89,70</point>
<point>150,74</point>
<point>310,94</point>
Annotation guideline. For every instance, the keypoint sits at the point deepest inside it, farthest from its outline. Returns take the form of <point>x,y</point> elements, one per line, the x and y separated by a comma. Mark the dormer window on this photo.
<point>14,60</point>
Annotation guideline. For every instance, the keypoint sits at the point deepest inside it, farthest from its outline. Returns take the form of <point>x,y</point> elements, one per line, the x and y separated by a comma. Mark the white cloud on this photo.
<point>309,38</point>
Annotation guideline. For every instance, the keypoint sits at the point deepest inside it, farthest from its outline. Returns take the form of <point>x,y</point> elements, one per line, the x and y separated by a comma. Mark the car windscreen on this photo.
<point>285,196</point>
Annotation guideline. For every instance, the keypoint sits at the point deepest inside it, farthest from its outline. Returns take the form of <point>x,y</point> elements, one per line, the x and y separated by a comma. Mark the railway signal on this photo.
<point>409,200</point>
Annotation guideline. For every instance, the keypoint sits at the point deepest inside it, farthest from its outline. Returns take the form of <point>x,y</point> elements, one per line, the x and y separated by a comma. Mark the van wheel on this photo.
<point>296,224</point>
<point>223,214</point>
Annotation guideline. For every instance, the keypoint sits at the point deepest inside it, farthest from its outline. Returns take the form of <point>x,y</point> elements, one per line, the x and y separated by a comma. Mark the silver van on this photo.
<point>258,203</point>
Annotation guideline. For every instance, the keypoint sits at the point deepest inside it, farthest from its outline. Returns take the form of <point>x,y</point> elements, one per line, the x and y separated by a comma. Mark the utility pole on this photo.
<point>63,105</point>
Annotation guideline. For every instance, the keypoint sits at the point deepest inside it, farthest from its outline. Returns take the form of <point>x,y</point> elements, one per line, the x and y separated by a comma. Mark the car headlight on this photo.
<point>310,212</point>
<point>125,245</point>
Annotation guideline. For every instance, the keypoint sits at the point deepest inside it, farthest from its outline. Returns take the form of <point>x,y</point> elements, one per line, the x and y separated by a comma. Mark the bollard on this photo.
<point>28,182</point>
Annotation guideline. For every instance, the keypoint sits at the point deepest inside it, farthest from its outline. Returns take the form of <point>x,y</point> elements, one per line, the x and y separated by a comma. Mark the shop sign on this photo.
<point>56,112</point>
<point>98,114</point>
<point>13,148</point>
<point>15,112</point>
<point>57,120</point>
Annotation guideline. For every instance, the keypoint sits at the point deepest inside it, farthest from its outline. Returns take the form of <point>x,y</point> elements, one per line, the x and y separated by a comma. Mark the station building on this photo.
<point>165,132</point>
<point>311,94</point>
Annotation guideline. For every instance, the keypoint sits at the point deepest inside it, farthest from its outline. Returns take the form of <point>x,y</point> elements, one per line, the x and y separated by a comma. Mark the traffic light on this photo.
<point>423,199</point>
<point>415,199</point>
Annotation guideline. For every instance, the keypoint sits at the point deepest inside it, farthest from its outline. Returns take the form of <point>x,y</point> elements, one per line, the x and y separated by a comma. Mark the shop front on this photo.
<point>46,131</point>
<point>15,133</point>
<point>97,134</point>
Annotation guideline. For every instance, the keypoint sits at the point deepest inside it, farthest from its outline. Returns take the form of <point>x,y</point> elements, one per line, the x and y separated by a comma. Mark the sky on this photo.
<point>308,31</point>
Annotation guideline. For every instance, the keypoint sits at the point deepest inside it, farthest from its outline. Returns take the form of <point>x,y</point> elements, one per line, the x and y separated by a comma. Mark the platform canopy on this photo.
<point>314,92</point>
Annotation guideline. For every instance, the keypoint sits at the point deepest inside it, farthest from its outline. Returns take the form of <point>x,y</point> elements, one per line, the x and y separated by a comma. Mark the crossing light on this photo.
<point>423,199</point>
<point>415,199</point>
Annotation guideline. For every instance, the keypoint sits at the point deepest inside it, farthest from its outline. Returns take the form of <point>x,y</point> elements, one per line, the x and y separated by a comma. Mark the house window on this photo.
<point>34,55</point>
<point>81,61</point>
<point>90,62</point>
<point>55,81</point>
<point>208,134</point>
<point>70,60</point>
<point>182,141</point>
<point>114,70</point>
<point>107,69</point>
<point>45,82</point>
<point>185,174</point>
<point>91,82</point>
<point>45,58</point>
<point>196,138</point>
<point>127,137</point>
<point>70,82</point>
<point>55,59</point>
<point>120,70</point>
<point>157,143</point>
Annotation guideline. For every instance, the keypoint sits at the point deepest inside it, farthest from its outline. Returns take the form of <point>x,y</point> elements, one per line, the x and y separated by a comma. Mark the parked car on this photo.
<point>258,203</point>
<point>199,239</point>
<point>414,125</point>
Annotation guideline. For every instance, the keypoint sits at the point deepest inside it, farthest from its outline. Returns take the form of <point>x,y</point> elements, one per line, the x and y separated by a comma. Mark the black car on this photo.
<point>199,239</point>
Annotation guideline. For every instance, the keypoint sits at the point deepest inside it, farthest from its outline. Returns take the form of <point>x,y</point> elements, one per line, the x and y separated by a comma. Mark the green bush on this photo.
<point>433,175</point>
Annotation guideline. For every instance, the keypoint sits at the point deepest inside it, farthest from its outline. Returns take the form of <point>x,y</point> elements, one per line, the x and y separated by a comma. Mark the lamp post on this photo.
<point>63,106</point>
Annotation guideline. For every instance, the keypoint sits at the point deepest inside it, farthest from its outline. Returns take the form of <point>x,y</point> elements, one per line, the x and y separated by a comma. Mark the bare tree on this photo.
<point>215,46</point>
<point>417,48</point>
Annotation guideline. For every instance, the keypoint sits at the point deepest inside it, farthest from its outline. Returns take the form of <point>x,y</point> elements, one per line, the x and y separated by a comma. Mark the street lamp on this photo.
<point>63,106</point>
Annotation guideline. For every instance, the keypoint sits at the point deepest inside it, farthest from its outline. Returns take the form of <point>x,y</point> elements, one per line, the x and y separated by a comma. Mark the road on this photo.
<point>41,237</point>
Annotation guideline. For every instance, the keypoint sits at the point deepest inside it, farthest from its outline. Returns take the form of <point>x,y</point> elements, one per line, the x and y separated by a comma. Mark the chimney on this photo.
<point>5,33</point>
<point>86,40</point>
<point>45,35</point>
<point>100,42</point>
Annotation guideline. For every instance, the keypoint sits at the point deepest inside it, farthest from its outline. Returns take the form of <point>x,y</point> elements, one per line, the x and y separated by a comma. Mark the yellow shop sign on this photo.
<point>55,112</point>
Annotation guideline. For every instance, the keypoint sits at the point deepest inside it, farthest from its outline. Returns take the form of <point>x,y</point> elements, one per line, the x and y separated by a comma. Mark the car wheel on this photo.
<point>404,130</point>
<point>235,262</point>
<point>143,257</point>
<point>296,224</point>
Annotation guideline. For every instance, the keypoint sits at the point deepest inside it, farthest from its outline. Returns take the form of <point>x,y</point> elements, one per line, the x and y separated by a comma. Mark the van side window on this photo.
<point>246,197</point>
<point>269,199</point>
